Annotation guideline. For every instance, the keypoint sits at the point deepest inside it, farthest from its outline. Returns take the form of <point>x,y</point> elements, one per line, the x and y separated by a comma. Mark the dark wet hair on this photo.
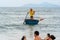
<point>48,34</point>
<point>23,38</point>
<point>36,32</point>
<point>53,37</point>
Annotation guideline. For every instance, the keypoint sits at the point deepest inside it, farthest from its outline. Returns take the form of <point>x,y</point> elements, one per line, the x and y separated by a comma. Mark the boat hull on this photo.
<point>31,22</point>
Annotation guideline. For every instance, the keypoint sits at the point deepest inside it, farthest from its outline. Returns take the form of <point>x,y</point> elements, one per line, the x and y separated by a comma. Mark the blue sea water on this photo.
<point>12,27</point>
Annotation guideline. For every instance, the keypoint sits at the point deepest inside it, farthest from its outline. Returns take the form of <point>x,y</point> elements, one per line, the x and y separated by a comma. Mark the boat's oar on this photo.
<point>25,17</point>
<point>41,19</point>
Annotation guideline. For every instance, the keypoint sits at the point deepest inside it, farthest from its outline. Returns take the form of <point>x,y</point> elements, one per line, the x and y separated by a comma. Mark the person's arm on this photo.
<point>33,12</point>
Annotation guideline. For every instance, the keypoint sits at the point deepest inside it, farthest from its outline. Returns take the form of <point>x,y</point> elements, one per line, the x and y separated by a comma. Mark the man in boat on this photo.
<point>31,13</point>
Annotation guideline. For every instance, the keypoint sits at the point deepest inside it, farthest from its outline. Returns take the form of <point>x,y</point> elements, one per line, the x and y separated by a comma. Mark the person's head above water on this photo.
<point>36,33</point>
<point>52,37</point>
<point>48,34</point>
<point>23,38</point>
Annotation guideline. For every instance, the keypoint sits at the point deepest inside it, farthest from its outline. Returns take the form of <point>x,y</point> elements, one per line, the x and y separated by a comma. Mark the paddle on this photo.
<point>41,19</point>
<point>25,17</point>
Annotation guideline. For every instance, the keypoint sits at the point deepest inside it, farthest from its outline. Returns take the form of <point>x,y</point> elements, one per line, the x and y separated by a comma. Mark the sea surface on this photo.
<point>12,27</point>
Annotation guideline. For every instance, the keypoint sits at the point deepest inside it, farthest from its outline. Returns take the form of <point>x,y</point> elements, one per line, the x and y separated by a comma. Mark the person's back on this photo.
<point>36,35</point>
<point>37,38</point>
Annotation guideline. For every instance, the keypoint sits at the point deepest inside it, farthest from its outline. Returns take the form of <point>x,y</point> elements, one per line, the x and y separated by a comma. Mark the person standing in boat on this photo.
<point>31,13</point>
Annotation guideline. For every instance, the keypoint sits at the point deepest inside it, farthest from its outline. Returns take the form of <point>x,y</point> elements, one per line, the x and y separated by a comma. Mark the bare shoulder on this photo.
<point>39,38</point>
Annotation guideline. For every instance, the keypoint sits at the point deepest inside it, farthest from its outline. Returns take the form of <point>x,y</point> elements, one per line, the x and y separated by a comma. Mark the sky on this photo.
<point>18,3</point>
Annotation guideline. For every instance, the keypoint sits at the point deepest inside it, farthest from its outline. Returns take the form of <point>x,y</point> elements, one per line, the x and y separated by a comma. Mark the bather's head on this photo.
<point>52,37</point>
<point>23,38</point>
<point>48,34</point>
<point>36,33</point>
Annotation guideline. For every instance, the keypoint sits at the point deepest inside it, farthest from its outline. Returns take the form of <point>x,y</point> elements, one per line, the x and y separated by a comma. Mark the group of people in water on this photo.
<point>36,33</point>
<point>37,37</point>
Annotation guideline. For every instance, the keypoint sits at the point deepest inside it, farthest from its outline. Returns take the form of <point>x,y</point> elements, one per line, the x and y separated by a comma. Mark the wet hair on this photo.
<point>52,37</point>
<point>48,34</point>
<point>23,38</point>
<point>36,32</point>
